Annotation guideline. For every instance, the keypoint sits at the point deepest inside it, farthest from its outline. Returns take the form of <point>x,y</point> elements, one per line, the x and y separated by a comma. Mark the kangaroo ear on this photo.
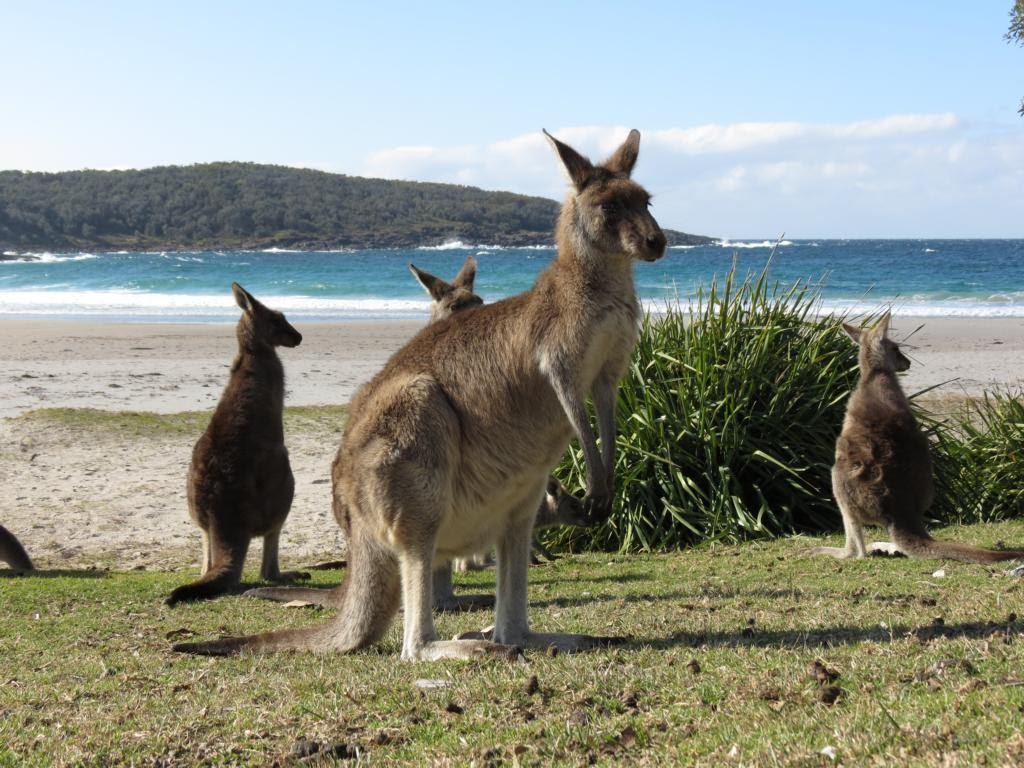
<point>580,169</point>
<point>434,285</point>
<point>242,297</point>
<point>882,326</point>
<point>466,275</point>
<point>624,158</point>
<point>853,332</point>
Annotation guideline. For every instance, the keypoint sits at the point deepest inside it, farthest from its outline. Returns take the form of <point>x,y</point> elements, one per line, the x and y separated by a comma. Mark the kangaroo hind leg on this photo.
<point>511,625</point>
<point>270,570</point>
<point>854,539</point>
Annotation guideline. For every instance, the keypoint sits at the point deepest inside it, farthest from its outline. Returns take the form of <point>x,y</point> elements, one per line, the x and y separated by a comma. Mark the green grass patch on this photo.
<point>722,639</point>
<point>149,424</point>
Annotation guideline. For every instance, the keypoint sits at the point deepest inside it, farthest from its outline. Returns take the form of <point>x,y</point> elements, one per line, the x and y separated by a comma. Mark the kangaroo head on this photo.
<point>260,326</point>
<point>877,350</point>
<point>561,508</point>
<point>452,297</point>
<point>606,211</point>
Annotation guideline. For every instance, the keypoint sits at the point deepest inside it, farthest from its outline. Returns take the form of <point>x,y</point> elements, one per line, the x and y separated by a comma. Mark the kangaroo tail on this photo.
<point>224,574</point>
<point>13,553</point>
<point>920,545</point>
<point>367,602</point>
<point>325,597</point>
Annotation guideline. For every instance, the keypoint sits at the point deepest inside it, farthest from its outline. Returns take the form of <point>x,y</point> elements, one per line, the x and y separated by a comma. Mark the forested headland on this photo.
<point>246,205</point>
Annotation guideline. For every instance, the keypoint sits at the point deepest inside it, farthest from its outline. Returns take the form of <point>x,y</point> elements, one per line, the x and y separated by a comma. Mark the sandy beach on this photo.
<point>81,497</point>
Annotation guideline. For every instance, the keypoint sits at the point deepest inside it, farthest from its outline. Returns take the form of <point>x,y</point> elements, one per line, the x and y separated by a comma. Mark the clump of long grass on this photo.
<point>979,461</point>
<point>727,420</point>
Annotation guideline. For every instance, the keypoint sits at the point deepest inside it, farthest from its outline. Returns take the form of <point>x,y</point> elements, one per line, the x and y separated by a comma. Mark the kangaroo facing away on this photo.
<point>448,449</point>
<point>12,553</point>
<point>883,471</point>
<point>240,484</point>
<point>559,506</point>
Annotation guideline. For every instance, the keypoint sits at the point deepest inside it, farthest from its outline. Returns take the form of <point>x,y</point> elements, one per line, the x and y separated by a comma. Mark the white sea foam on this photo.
<point>182,306</point>
<point>45,257</point>
<point>761,244</point>
<point>451,245</point>
<point>457,245</point>
<point>280,250</point>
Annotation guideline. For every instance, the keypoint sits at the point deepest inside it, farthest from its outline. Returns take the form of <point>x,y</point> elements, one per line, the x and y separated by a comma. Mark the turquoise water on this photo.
<point>972,278</point>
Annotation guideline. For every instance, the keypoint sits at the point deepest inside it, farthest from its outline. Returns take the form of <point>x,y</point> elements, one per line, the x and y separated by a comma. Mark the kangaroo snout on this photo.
<point>656,245</point>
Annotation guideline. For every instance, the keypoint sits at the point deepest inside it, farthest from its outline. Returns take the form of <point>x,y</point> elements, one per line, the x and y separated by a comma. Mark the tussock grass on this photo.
<point>980,458</point>
<point>728,417</point>
<point>727,420</point>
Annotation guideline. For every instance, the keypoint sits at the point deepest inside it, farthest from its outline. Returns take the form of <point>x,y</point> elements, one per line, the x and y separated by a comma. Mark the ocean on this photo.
<point>927,278</point>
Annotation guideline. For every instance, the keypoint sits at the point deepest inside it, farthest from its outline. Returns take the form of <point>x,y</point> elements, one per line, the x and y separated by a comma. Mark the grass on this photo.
<point>147,423</point>
<point>716,672</point>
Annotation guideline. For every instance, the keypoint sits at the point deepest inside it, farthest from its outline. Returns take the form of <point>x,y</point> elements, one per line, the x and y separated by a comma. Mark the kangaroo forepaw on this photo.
<point>288,576</point>
<point>597,507</point>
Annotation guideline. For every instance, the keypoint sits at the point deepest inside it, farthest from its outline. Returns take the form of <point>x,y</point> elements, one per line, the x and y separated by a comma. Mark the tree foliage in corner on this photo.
<point>1015,34</point>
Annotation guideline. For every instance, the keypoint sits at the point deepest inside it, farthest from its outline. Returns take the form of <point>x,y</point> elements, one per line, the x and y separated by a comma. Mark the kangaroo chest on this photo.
<point>610,344</point>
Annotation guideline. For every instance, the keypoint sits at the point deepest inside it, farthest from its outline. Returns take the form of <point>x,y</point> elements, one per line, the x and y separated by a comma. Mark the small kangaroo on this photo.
<point>883,471</point>
<point>559,506</point>
<point>452,297</point>
<point>12,553</point>
<point>240,484</point>
<point>448,449</point>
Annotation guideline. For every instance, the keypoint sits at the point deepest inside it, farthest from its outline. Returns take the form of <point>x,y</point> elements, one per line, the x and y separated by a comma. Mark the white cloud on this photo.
<point>898,175</point>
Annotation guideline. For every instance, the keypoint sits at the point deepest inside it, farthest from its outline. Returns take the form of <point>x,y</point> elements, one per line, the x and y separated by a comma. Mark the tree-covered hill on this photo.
<point>244,205</point>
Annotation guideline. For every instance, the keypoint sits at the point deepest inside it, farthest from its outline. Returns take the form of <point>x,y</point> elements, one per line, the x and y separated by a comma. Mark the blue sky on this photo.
<point>817,119</point>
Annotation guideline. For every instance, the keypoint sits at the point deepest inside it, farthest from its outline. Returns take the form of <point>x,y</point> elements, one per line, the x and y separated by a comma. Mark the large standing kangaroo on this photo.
<point>240,484</point>
<point>559,506</point>
<point>883,470</point>
<point>448,448</point>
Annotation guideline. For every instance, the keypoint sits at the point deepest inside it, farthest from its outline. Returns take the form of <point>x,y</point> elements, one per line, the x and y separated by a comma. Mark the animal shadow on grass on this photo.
<point>828,637</point>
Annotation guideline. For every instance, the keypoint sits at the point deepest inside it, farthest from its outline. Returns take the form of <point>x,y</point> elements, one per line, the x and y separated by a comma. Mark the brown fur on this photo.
<point>883,470</point>
<point>240,484</point>
<point>559,506</point>
<point>448,449</point>
<point>452,297</point>
<point>12,553</point>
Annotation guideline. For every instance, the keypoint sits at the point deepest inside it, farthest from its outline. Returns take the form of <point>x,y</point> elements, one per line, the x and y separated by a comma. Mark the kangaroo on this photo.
<point>448,448</point>
<point>240,484</point>
<point>452,297</point>
<point>883,471</point>
<point>12,553</point>
<point>559,506</point>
